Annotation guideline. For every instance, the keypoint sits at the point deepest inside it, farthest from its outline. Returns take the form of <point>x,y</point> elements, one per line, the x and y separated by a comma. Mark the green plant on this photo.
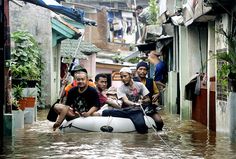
<point>118,58</point>
<point>228,59</point>
<point>134,60</point>
<point>17,92</point>
<point>154,12</point>
<point>25,56</point>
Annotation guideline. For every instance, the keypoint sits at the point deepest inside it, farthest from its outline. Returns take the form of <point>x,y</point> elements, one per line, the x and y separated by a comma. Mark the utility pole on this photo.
<point>2,94</point>
<point>5,82</point>
<point>6,62</point>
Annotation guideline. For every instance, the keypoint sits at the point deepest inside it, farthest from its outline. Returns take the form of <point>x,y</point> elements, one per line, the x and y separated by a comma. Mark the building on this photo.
<point>195,25</point>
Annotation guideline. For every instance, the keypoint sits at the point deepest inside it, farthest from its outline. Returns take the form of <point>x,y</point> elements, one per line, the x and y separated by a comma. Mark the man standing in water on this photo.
<point>160,71</point>
<point>82,100</point>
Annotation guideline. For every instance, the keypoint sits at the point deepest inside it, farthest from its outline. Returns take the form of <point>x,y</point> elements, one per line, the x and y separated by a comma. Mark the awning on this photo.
<point>194,9</point>
<point>160,42</point>
<point>61,31</point>
<point>163,41</point>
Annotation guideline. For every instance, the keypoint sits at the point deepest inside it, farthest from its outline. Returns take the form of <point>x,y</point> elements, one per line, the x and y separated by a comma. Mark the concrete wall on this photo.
<point>210,67</point>
<point>103,70</point>
<point>55,75</point>
<point>99,35</point>
<point>190,56</point>
<point>232,119</point>
<point>90,65</point>
<point>36,20</point>
<point>222,110</point>
<point>172,92</point>
<point>184,65</point>
<point>194,42</point>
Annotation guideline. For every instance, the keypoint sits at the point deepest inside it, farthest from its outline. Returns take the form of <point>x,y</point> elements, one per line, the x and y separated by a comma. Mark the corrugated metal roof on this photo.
<point>69,47</point>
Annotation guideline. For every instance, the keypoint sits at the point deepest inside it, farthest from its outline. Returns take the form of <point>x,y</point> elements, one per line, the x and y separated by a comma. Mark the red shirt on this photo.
<point>102,98</point>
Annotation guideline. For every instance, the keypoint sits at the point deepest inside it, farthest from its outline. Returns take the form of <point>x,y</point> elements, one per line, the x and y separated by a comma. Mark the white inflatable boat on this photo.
<point>102,124</point>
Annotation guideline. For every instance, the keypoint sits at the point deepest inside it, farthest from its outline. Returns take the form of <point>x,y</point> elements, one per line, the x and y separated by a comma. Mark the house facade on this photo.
<point>49,30</point>
<point>104,38</point>
<point>195,41</point>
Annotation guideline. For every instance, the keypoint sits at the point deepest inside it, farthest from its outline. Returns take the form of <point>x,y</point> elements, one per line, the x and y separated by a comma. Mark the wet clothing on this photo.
<point>150,84</point>
<point>133,94</point>
<point>102,98</point>
<point>83,101</point>
<point>135,115</point>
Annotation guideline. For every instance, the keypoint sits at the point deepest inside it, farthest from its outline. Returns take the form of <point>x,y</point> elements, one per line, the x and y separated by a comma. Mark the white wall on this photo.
<point>36,20</point>
<point>103,70</point>
<point>190,61</point>
<point>222,110</point>
<point>185,106</point>
<point>90,65</point>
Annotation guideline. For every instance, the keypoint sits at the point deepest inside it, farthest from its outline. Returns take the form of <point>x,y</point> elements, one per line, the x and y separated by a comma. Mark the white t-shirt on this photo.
<point>133,94</point>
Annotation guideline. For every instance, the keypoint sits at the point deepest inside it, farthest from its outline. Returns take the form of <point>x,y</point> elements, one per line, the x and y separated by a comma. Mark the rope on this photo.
<point>177,155</point>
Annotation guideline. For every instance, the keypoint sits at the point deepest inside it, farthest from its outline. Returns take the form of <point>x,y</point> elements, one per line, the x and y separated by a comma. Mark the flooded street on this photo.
<point>186,139</point>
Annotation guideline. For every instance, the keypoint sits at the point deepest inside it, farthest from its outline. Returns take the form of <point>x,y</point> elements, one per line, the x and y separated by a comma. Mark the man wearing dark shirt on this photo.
<point>160,67</point>
<point>82,100</point>
<point>160,71</point>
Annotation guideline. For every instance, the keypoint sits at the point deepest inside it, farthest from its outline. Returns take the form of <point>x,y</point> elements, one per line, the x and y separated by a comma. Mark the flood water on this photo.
<point>183,139</point>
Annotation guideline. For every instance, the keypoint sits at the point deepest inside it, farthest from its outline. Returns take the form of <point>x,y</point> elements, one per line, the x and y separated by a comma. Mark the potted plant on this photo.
<point>226,76</point>
<point>153,28</point>
<point>118,58</point>
<point>18,100</point>
<point>18,109</point>
<point>26,65</point>
<point>30,98</point>
<point>153,12</point>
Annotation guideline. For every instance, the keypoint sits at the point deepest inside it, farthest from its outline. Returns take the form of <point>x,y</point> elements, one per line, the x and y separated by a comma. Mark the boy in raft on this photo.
<point>107,98</point>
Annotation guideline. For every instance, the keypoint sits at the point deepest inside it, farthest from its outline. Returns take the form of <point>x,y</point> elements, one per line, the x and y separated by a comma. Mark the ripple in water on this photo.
<point>185,139</point>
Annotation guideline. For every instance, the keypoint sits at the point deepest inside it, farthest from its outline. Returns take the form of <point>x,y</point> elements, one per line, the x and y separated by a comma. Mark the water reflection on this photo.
<point>188,139</point>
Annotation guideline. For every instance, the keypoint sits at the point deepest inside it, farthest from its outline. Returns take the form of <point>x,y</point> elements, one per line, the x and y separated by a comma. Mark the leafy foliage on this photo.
<point>118,58</point>
<point>228,68</point>
<point>134,60</point>
<point>154,12</point>
<point>26,60</point>
<point>18,92</point>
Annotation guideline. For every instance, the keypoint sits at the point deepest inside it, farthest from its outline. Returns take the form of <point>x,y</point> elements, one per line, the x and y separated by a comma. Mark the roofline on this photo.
<point>57,17</point>
<point>81,5</point>
<point>115,64</point>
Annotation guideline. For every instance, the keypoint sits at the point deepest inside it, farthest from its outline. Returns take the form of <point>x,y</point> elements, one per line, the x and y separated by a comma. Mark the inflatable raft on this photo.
<point>102,124</point>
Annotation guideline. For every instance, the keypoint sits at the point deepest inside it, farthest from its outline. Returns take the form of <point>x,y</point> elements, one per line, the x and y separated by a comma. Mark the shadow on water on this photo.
<point>187,139</point>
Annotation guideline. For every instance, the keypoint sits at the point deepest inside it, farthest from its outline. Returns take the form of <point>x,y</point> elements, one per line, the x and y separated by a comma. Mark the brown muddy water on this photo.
<point>185,139</point>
